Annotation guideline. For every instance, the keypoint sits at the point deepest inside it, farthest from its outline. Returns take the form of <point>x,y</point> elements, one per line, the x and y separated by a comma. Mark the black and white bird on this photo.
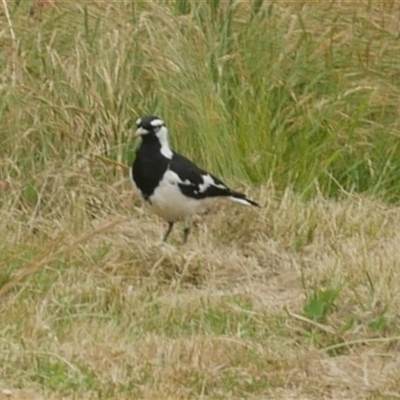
<point>174,187</point>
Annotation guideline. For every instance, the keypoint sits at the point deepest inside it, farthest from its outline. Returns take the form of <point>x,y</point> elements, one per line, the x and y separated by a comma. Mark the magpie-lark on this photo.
<point>174,187</point>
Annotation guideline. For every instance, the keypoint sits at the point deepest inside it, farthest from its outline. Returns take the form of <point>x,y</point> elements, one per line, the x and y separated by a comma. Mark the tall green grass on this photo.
<point>305,95</point>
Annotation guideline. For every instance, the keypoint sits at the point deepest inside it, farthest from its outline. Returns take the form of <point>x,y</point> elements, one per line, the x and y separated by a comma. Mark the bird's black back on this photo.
<point>192,176</point>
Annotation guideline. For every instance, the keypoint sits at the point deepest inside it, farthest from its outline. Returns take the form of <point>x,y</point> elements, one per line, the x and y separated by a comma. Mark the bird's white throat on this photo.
<point>162,136</point>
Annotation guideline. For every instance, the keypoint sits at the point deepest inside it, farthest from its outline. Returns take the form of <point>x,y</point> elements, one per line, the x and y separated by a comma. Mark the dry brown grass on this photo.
<point>107,310</point>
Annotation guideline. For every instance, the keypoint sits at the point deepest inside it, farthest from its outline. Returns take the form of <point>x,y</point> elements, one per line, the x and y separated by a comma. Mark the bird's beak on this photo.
<point>140,132</point>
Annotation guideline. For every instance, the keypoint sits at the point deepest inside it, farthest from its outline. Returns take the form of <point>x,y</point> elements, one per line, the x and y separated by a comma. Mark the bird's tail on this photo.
<point>242,199</point>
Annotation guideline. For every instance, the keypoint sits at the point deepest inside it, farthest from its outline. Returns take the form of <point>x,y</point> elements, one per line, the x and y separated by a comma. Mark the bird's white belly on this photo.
<point>169,203</point>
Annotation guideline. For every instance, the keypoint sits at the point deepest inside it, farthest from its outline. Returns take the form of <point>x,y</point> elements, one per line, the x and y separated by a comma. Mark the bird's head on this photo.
<point>153,129</point>
<point>151,125</point>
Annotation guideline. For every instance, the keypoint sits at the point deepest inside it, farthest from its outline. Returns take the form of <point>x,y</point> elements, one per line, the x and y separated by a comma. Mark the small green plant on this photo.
<point>320,303</point>
<point>378,324</point>
<point>61,377</point>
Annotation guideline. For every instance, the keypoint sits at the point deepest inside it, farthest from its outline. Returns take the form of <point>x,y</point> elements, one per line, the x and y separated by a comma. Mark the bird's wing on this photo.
<point>195,182</point>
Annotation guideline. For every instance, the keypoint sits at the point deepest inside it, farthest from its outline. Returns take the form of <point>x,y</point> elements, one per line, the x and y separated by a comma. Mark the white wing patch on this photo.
<point>209,181</point>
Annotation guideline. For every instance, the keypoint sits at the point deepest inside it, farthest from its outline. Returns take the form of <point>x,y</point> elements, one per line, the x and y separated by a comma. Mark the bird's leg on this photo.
<point>170,226</point>
<point>186,230</point>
